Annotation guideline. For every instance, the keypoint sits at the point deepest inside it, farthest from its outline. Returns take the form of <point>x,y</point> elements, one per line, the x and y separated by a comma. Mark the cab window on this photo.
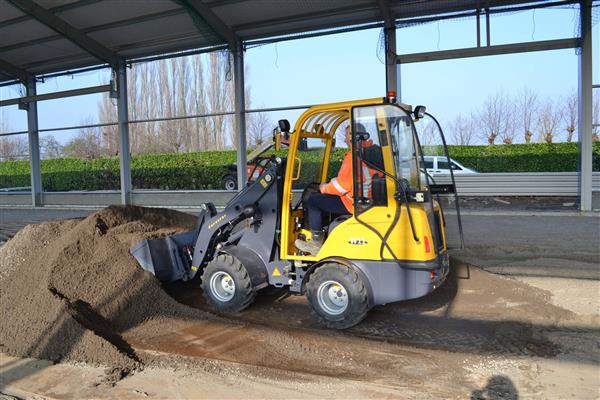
<point>310,160</point>
<point>370,136</point>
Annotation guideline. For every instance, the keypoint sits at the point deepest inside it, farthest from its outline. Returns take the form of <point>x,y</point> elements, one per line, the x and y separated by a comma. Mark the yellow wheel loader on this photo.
<point>391,247</point>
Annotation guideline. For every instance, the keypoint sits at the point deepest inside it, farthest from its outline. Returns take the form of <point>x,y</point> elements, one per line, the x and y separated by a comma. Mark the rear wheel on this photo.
<point>226,284</point>
<point>338,295</point>
<point>229,182</point>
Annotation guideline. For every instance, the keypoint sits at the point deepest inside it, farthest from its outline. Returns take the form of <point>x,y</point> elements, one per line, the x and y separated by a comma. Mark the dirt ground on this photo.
<point>80,300</point>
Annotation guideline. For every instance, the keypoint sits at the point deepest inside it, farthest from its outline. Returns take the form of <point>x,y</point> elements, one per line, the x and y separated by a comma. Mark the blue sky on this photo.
<point>347,66</point>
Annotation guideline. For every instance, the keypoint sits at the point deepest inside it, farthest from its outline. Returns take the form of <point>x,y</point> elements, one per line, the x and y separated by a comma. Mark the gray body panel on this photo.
<point>390,282</point>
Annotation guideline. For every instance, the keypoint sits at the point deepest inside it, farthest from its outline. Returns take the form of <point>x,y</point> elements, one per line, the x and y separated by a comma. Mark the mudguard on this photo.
<point>254,265</point>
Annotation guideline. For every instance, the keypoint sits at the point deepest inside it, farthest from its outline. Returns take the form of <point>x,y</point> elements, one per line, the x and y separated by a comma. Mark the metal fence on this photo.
<point>496,184</point>
<point>520,184</point>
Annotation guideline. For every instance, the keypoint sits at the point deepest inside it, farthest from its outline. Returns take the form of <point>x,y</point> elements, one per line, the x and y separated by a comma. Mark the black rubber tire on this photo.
<point>244,293</point>
<point>358,298</point>
<point>228,182</point>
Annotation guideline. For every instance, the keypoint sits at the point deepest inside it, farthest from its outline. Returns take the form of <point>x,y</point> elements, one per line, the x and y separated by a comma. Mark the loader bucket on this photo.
<point>164,257</point>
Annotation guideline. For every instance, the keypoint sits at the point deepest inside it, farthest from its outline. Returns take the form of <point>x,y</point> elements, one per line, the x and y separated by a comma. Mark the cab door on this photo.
<point>441,183</point>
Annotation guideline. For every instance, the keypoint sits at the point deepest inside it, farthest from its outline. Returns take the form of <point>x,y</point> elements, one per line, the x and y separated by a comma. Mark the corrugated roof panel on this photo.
<point>8,12</point>
<point>23,56</point>
<point>168,45</point>
<point>260,10</point>
<point>62,64</point>
<point>23,31</point>
<point>151,30</point>
<point>281,27</point>
<point>54,3</point>
<point>99,14</point>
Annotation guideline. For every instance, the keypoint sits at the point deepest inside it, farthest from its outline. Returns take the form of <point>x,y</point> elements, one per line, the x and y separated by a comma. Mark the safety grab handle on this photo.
<point>297,176</point>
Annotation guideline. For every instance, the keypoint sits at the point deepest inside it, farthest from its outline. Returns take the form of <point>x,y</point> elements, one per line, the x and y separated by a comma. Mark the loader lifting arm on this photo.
<point>250,213</point>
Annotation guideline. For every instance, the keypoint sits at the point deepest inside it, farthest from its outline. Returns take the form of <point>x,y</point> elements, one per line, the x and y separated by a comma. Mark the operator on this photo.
<point>335,196</point>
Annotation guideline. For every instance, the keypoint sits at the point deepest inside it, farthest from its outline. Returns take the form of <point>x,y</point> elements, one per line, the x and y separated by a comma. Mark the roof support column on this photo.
<point>34,145</point>
<point>399,81</point>
<point>240,113</point>
<point>123,119</point>
<point>391,68</point>
<point>585,107</point>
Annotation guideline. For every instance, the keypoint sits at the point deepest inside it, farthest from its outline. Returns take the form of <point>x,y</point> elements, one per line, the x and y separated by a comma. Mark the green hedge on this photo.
<point>205,170</point>
<point>538,157</point>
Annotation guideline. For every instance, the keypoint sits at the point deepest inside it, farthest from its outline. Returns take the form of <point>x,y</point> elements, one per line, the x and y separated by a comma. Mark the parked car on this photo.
<point>438,165</point>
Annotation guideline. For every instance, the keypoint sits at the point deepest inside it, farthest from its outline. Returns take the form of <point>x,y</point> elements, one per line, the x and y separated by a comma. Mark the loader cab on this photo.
<point>385,154</point>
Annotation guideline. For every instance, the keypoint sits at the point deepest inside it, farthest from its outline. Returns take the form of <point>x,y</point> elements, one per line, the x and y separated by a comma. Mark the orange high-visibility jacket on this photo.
<point>342,185</point>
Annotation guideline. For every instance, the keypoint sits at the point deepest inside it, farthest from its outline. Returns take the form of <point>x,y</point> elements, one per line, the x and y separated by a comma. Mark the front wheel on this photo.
<point>226,284</point>
<point>338,295</point>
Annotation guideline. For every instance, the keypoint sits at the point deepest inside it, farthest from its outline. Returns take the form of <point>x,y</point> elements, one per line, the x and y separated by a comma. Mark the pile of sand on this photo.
<point>69,290</point>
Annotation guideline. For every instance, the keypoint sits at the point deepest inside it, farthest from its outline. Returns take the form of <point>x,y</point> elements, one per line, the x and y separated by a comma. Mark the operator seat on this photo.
<point>374,160</point>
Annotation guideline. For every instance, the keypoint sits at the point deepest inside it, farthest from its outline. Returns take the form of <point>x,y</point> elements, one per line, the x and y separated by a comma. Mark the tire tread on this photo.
<point>234,267</point>
<point>361,307</point>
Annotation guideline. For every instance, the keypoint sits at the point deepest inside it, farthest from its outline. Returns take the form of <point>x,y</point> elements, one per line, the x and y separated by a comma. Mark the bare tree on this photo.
<point>107,113</point>
<point>50,147</point>
<point>201,126</point>
<point>4,124</point>
<point>596,119</point>
<point>570,114</point>
<point>259,128</point>
<point>463,130</point>
<point>494,117</point>
<point>176,87</point>
<point>11,147</point>
<point>507,135</point>
<point>527,106</point>
<point>87,144</point>
<point>549,119</point>
<point>219,96</point>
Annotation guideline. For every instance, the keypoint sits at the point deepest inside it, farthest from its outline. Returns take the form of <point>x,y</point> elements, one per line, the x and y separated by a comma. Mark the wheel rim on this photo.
<point>332,297</point>
<point>222,286</point>
<point>229,184</point>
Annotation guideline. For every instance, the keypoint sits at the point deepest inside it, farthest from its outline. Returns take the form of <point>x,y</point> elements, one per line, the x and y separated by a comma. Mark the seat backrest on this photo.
<point>373,156</point>
<point>379,190</point>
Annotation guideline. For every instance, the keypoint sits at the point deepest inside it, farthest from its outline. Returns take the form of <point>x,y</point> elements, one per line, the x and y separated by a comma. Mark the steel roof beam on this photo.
<point>203,11</point>
<point>512,48</point>
<point>67,30</point>
<point>14,71</point>
<point>386,13</point>
<point>56,95</point>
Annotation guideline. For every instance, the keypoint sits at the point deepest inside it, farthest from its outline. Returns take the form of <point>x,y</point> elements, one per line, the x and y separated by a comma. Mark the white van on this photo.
<point>438,165</point>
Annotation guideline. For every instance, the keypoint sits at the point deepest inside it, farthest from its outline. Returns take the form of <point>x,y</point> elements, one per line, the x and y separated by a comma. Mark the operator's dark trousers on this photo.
<point>319,203</point>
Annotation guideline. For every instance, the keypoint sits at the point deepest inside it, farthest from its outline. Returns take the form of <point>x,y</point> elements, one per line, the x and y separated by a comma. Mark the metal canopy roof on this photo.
<point>44,36</point>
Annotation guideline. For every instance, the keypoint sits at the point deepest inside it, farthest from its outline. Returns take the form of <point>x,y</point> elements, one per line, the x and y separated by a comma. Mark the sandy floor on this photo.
<point>479,336</point>
<point>491,357</point>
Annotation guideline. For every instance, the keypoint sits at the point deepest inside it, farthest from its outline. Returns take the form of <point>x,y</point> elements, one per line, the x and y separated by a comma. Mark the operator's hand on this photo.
<point>322,187</point>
